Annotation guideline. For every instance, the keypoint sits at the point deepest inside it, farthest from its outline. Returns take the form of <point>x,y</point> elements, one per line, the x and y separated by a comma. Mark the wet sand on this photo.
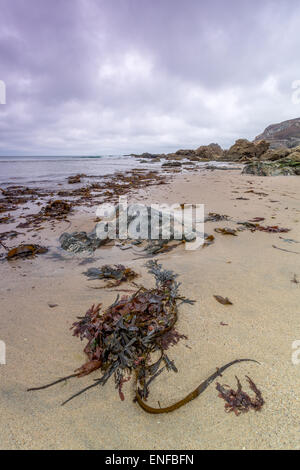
<point>263,322</point>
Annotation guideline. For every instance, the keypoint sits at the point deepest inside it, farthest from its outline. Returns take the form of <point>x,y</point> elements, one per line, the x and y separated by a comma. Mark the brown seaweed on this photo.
<point>287,251</point>
<point>214,217</point>
<point>56,209</point>
<point>295,280</point>
<point>272,229</point>
<point>222,300</point>
<point>121,340</point>
<point>25,251</point>
<point>118,272</point>
<point>226,231</point>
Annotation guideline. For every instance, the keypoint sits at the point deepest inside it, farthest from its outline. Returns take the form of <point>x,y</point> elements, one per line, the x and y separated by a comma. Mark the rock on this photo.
<point>145,155</point>
<point>138,223</point>
<point>277,168</point>
<point>174,156</point>
<point>185,152</point>
<point>277,154</point>
<point>78,242</point>
<point>284,134</point>
<point>243,150</point>
<point>171,164</point>
<point>262,146</point>
<point>209,152</point>
<point>293,157</point>
<point>75,179</point>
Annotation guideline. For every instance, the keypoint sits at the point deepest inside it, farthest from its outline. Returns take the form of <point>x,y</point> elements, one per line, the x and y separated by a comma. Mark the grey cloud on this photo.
<point>101,76</point>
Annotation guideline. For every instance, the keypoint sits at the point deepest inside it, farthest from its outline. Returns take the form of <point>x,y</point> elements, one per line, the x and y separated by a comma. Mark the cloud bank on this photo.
<point>96,77</point>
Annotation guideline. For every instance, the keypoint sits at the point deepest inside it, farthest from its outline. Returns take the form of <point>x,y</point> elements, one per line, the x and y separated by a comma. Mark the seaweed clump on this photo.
<point>122,339</point>
<point>25,251</point>
<point>121,342</point>
<point>57,209</point>
<point>239,401</point>
<point>118,272</point>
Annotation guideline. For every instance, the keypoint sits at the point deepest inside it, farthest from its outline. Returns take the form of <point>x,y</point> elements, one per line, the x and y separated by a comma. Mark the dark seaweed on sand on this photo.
<point>119,273</point>
<point>121,340</point>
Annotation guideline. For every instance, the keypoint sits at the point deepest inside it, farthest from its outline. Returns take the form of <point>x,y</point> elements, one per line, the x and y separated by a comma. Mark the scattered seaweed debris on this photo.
<point>122,340</point>
<point>9,235</point>
<point>118,272</point>
<point>75,179</point>
<point>257,193</point>
<point>7,219</point>
<point>56,209</point>
<point>287,251</point>
<point>226,231</point>
<point>239,401</point>
<point>289,240</point>
<point>272,229</point>
<point>257,219</point>
<point>255,226</point>
<point>222,300</point>
<point>150,248</point>
<point>295,280</point>
<point>214,217</point>
<point>26,251</point>
<point>208,240</point>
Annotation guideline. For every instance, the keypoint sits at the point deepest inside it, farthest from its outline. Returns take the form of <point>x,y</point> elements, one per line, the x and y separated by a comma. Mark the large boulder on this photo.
<point>209,152</point>
<point>243,150</point>
<point>273,155</point>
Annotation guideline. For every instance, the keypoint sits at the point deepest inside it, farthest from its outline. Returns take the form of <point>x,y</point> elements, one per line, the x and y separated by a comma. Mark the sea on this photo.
<point>52,171</point>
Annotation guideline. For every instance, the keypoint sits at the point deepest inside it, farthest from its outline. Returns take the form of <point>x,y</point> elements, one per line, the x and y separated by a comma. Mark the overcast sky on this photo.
<point>118,76</point>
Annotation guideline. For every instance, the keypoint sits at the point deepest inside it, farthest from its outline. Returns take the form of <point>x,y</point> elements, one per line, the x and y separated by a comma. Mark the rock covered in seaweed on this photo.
<point>283,167</point>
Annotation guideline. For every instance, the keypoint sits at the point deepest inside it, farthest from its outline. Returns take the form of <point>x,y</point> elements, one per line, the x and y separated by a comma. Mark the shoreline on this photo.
<point>262,323</point>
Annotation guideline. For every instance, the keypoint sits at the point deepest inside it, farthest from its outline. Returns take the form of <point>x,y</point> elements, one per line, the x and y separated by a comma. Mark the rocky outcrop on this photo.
<point>209,152</point>
<point>205,152</point>
<point>280,168</point>
<point>243,150</point>
<point>284,134</point>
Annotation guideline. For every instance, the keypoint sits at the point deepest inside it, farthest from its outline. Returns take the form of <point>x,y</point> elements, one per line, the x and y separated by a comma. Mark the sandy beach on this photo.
<point>262,324</point>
